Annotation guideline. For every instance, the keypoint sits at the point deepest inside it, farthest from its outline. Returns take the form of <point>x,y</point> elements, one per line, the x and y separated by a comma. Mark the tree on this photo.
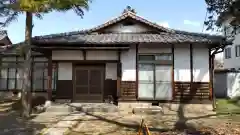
<point>218,10</point>
<point>10,9</point>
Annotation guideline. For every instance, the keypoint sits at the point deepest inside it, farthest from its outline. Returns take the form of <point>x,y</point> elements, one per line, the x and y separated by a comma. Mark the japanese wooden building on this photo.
<point>125,59</point>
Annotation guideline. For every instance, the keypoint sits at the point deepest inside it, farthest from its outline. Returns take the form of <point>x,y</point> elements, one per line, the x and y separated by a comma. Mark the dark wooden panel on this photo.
<point>128,90</point>
<point>185,92</point>
<point>110,90</point>
<point>64,89</point>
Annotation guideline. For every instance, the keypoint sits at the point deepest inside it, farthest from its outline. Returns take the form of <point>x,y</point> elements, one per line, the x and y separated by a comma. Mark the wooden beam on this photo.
<point>84,54</point>
<point>81,48</point>
<point>191,67</point>
<point>211,67</point>
<point>49,89</point>
<point>137,47</point>
<point>119,74</point>
<point>173,82</point>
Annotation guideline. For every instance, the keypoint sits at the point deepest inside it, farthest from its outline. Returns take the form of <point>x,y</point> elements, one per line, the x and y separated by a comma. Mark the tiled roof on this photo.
<point>128,38</point>
<point>166,35</point>
<point>91,36</point>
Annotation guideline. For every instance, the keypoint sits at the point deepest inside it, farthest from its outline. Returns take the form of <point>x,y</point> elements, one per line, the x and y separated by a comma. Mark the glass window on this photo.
<point>155,80</point>
<point>146,81</point>
<point>3,81</point>
<point>40,59</point>
<point>227,52</point>
<point>163,57</point>
<point>237,50</point>
<point>163,82</point>
<point>146,57</point>
<point>11,74</point>
<point>9,59</point>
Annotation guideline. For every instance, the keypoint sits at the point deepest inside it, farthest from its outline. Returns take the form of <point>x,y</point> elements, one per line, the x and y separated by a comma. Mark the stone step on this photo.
<point>148,110</point>
<point>60,109</point>
<point>95,107</point>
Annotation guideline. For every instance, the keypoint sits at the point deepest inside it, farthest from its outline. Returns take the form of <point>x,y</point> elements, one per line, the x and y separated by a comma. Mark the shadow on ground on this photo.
<point>12,123</point>
<point>132,126</point>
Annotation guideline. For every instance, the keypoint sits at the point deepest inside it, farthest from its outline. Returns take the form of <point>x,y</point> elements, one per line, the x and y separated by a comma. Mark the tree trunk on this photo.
<point>26,91</point>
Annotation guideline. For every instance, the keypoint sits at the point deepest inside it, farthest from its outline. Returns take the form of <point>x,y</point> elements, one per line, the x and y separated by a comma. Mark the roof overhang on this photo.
<point>120,40</point>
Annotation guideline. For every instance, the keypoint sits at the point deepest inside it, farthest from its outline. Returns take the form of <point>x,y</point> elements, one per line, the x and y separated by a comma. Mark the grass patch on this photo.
<point>228,109</point>
<point>227,106</point>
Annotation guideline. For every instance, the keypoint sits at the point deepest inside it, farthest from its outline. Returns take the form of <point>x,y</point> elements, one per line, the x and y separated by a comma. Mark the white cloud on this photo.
<point>193,23</point>
<point>164,24</point>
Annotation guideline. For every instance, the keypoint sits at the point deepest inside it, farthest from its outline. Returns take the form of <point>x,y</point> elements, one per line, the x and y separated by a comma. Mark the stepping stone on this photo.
<point>148,110</point>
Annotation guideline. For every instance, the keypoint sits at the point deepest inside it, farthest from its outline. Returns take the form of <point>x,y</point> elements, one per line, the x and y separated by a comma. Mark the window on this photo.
<point>227,53</point>
<point>40,75</point>
<point>237,50</point>
<point>11,74</point>
<point>155,77</point>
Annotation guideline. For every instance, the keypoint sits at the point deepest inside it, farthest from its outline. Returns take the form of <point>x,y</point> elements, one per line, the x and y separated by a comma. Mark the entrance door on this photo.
<point>89,83</point>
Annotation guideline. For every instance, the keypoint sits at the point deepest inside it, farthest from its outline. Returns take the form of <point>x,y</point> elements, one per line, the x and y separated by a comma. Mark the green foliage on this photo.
<point>11,11</point>
<point>217,10</point>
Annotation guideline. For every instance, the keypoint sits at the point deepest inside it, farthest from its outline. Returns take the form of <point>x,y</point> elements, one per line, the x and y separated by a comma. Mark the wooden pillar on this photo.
<point>173,82</point>
<point>136,85</point>
<point>49,89</point>
<point>211,67</point>
<point>191,67</point>
<point>119,74</point>
<point>84,54</point>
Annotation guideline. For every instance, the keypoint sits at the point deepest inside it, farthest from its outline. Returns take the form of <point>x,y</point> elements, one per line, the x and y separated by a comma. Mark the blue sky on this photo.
<point>178,14</point>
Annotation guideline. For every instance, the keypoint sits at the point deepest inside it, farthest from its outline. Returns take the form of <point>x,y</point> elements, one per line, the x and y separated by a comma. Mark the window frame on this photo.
<point>228,53</point>
<point>237,50</point>
<point>154,63</point>
<point>17,65</point>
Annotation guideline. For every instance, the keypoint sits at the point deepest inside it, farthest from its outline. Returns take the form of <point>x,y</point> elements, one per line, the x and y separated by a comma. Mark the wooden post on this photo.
<point>173,81</point>
<point>137,47</point>
<point>191,67</point>
<point>211,67</point>
<point>49,89</point>
<point>119,74</point>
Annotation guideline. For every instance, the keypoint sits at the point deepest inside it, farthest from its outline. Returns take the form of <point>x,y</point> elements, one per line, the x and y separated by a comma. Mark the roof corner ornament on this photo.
<point>129,9</point>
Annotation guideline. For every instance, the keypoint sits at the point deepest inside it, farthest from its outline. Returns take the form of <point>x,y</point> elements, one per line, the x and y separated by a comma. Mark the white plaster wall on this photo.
<point>200,64</point>
<point>127,29</point>
<point>111,71</point>
<point>182,63</point>
<point>128,60</point>
<point>158,48</point>
<point>233,62</point>
<point>67,55</point>
<point>101,55</point>
<point>64,71</point>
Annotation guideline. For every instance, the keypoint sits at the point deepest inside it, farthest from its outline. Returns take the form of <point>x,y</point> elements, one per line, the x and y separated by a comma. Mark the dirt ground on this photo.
<point>11,122</point>
<point>128,124</point>
<point>118,123</point>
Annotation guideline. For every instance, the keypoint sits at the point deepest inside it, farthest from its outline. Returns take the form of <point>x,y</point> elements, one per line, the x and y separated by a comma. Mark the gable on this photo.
<point>118,25</point>
<point>129,25</point>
